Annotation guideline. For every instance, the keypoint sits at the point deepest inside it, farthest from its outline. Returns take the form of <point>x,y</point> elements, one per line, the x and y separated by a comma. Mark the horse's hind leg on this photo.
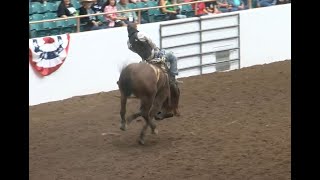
<point>123,125</point>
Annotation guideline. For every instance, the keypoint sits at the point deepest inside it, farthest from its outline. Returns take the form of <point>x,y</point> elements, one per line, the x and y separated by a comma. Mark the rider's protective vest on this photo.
<point>140,47</point>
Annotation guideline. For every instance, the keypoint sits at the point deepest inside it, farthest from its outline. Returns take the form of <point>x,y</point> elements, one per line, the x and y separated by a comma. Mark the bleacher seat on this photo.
<point>39,11</point>
<point>152,3</point>
<point>36,26</point>
<point>43,33</point>
<point>50,7</point>
<point>187,10</point>
<point>30,9</point>
<point>144,13</point>
<point>53,32</point>
<point>141,4</point>
<point>102,19</point>
<point>50,15</point>
<point>33,34</point>
<point>68,30</point>
<point>71,22</point>
<point>62,23</point>
<point>36,8</point>
<point>57,3</point>
<point>155,15</point>
<point>76,4</point>
<point>132,5</point>
<point>50,25</point>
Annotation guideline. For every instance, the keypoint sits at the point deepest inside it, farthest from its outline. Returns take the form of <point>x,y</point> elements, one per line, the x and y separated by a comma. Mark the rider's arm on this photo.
<point>143,37</point>
<point>129,46</point>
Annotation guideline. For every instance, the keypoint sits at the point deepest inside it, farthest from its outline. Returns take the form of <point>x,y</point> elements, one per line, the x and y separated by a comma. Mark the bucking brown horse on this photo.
<point>158,95</point>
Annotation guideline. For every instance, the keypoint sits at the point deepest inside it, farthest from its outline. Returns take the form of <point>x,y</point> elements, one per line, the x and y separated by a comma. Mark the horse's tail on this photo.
<point>125,86</point>
<point>125,81</point>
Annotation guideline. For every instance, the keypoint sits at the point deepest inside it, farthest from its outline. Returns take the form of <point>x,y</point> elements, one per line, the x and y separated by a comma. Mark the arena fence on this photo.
<point>210,43</point>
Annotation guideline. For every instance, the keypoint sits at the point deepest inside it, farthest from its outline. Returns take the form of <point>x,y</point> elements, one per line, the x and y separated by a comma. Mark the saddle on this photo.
<point>165,66</point>
<point>160,61</point>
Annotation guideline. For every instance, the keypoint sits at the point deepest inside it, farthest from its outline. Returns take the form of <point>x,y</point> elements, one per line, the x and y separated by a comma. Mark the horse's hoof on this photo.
<point>158,118</point>
<point>155,131</point>
<point>168,115</point>
<point>123,127</point>
<point>141,142</point>
<point>176,112</point>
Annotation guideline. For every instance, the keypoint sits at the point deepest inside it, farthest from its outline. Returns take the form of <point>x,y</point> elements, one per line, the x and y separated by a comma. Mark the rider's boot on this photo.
<point>174,80</point>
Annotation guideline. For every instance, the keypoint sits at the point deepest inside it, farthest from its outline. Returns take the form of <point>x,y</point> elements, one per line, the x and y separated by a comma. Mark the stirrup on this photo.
<point>173,79</point>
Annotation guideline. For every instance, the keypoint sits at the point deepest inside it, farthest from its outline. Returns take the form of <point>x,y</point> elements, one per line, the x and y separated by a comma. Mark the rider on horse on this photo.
<point>141,44</point>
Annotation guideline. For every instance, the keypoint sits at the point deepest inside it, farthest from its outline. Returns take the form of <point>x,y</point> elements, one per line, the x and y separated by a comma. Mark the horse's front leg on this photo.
<point>155,109</point>
<point>133,117</point>
<point>143,133</point>
<point>146,103</point>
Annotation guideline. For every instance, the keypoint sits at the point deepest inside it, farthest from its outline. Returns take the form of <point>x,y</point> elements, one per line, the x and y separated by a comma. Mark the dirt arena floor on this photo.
<point>233,125</point>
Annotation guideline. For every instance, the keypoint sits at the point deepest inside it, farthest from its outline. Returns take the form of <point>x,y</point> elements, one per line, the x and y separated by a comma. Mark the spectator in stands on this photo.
<point>245,2</point>
<point>97,5</point>
<point>91,22</point>
<point>223,5</point>
<point>113,20</point>
<point>266,3</point>
<point>253,4</point>
<point>142,21</point>
<point>235,5</point>
<point>131,16</point>
<point>200,8</point>
<point>212,8</point>
<point>171,12</point>
<point>135,1</point>
<point>66,9</point>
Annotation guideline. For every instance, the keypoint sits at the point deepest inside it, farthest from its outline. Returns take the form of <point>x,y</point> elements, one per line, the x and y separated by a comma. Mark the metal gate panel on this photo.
<point>203,45</point>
